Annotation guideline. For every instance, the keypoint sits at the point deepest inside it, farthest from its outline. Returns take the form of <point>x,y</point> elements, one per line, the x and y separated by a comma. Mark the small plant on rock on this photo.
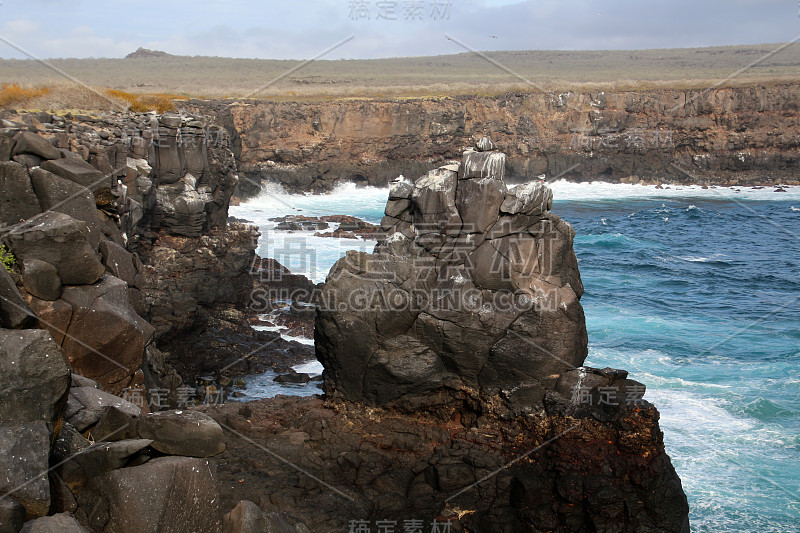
<point>6,257</point>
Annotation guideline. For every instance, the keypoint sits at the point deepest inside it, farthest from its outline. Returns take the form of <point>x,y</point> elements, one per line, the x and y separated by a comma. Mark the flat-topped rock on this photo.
<point>181,432</point>
<point>532,199</point>
<point>80,172</point>
<point>482,165</point>
<point>27,142</point>
<point>60,240</point>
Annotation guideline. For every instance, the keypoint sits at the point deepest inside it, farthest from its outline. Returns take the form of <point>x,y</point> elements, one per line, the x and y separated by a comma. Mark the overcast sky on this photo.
<point>300,29</point>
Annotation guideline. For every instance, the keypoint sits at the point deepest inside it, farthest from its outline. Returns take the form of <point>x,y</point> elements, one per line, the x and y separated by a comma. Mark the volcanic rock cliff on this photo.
<point>474,412</point>
<point>469,312</point>
<point>736,136</point>
<point>115,243</point>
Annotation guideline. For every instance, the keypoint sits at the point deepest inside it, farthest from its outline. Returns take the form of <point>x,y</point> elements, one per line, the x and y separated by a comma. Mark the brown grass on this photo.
<point>422,77</point>
<point>76,97</point>
<point>12,94</point>
<point>146,84</point>
<point>141,103</point>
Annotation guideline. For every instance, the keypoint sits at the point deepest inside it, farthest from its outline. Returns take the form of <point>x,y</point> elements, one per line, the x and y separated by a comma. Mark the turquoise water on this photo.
<point>697,294</point>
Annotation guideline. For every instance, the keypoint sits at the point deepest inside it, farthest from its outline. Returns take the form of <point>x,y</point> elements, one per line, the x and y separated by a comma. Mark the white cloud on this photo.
<point>247,28</point>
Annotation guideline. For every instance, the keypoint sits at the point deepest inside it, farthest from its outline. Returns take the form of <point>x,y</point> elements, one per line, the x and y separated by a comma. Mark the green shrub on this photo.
<point>6,257</point>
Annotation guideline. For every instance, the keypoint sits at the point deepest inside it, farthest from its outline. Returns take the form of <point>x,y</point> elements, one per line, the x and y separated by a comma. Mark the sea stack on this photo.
<point>474,293</point>
<point>469,311</point>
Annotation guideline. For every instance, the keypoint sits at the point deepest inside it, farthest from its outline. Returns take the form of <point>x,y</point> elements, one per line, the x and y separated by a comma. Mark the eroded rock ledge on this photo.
<point>565,470</point>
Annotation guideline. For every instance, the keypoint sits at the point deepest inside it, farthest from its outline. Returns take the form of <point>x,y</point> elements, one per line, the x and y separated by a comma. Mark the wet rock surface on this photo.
<point>347,227</point>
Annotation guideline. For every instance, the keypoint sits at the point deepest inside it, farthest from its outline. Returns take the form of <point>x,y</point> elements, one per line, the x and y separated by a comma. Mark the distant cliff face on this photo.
<point>728,136</point>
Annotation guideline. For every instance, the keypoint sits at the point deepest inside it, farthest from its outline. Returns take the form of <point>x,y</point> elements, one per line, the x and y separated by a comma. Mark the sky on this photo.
<point>303,29</point>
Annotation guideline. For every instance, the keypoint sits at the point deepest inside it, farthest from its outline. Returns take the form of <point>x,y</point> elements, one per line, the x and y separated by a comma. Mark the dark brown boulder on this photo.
<point>17,199</point>
<point>41,279</point>
<point>106,338</point>
<point>118,261</point>
<point>87,405</point>
<point>98,458</point>
<point>60,240</point>
<point>246,517</point>
<point>34,377</point>
<point>80,172</point>
<point>164,494</point>
<point>54,316</point>
<point>64,196</point>
<point>24,463</point>
<point>189,433</point>
<point>27,142</point>
<point>28,161</point>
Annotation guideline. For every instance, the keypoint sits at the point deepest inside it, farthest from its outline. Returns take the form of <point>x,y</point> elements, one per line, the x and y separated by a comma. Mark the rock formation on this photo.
<point>122,218</point>
<point>474,293</point>
<point>452,353</point>
<point>112,227</point>
<point>468,313</point>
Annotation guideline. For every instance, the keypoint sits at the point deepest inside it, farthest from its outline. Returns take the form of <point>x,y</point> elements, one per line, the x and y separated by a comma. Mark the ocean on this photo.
<point>696,292</point>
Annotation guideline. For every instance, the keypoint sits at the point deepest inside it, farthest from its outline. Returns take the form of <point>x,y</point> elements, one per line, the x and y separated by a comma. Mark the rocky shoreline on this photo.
<point>127,318</point>
<point>126,292</point>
